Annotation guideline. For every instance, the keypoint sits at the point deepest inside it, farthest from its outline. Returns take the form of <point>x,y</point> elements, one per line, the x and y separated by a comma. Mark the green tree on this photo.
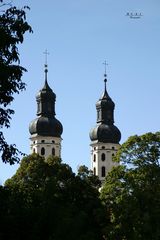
<point>48,201</point>
<point>131,193</point>
<point>87,175</point>
<point>13,26</point>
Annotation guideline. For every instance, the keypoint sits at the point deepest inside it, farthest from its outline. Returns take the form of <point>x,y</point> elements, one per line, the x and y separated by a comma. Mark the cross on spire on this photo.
<point>105,68</point>
<point>46,65</point>
<point>46,53</point>
<point>105,75</point>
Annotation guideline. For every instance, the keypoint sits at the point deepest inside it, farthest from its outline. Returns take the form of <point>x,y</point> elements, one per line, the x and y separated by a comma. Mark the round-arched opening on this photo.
<point>103,157</point>
<point>42,151</point>
<point>103,171</point>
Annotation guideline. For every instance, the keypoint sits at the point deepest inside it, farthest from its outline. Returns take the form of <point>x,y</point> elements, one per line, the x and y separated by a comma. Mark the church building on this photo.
<point>46,130</point>
<point>105,136</point>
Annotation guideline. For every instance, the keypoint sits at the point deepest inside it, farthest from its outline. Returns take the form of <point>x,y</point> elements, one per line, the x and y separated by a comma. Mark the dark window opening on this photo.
<point>94,171</point>
<point>94,157</point>
<point>53,151</point>
<point>42,151</point>
<point>98,114</point>
<point>103,157</point>
<point>113,148</point>
<point>103,173</point>
<point>103,147</point>
<point>42,141</point>
<point>38,109</point>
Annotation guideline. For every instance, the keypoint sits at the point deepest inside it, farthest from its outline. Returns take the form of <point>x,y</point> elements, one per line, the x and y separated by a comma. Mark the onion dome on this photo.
<point>105,130</point>
<point>46,124</point>
<point>46,93</point>
<point>105,133</point>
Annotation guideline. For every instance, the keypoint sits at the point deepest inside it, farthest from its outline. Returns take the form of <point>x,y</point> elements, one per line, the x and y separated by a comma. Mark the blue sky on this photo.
<point>80,35</point>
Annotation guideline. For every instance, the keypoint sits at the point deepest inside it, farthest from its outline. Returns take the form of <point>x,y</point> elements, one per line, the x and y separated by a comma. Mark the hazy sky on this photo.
<point>80,35</point>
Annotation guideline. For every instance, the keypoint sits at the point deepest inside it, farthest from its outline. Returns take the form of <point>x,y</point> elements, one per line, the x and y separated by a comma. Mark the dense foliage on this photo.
<point>13,26</point>
<point>46,200</point>
<point>131,193</point>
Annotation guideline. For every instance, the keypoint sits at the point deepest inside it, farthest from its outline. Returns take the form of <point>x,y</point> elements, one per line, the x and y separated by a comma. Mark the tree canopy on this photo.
<point>13,26</point>
<point>46,200</point>
<point>131,193</point>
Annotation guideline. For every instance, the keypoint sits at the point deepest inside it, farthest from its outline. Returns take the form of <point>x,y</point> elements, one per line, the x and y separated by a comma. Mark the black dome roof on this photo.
<point>46,91</point>
<point>105,130</point>
<point>45,126</point>
<point>105,101</point>
<point>105,133</point>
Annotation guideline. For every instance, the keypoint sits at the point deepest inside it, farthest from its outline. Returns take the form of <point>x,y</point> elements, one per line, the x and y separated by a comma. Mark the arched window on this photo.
<point>38,108</point>
<point>94,171</point>
<point>53,141</point>
<point>94,157</point>
<point>103,172</point>
<point>42,151</point>
<point>98,114</point>
<point>103,147</point>
<point>53,151</point>
<point>42,141</point>
<point>103,157</point>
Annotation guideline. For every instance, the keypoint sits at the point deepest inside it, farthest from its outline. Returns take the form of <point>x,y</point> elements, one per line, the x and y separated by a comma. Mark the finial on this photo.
<point>105,75</point>
<point>46,65</point>
<point>105,64</point>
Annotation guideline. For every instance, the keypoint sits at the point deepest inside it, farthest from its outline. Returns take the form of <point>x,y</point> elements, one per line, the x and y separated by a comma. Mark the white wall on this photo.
<point>108,150</point>
<point>48,143</point>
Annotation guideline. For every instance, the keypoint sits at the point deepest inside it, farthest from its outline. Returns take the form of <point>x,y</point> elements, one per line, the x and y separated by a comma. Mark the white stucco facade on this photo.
<point>101,158</point>
<point>45,145</point>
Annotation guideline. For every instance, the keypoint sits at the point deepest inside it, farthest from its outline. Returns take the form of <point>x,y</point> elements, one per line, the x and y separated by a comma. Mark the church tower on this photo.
<point>46,130</point>
<point>105,136</point>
